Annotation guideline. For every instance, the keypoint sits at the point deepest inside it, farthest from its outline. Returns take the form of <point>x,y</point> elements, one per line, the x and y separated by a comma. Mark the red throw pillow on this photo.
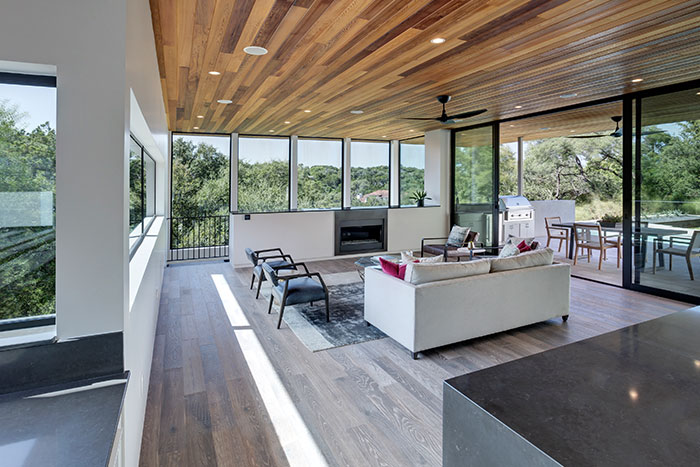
<point>393,269</point>
<point>523,247</point>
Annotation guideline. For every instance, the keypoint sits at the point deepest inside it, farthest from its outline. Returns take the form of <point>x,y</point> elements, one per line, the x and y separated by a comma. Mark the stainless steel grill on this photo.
<point>516,217</point>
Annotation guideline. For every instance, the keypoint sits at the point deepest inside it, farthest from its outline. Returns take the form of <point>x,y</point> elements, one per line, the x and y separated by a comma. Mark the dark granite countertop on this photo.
<point>68,425</point>
<point>629,397</point>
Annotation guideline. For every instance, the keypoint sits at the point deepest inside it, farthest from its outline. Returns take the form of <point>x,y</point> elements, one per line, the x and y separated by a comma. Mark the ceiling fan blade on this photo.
<point>588,136</point>
<point>420,118</point>
<point>473,113</point>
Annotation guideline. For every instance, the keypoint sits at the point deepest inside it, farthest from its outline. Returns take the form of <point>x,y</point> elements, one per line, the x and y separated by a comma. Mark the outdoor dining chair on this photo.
<point>688,247</point>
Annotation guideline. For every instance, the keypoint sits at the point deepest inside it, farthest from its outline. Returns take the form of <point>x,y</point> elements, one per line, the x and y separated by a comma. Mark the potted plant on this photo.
<point>610,220</point>
<point>419,197</point>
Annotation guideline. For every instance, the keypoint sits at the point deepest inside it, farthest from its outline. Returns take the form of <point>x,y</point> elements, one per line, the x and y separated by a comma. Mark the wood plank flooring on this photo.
<point>364,405</point>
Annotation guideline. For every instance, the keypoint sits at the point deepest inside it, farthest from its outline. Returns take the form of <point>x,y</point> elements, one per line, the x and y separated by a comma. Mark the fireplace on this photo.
<point>361,231</point>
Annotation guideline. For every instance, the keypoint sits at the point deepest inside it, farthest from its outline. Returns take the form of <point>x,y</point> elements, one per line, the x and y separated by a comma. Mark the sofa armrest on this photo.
<point>390,306</point>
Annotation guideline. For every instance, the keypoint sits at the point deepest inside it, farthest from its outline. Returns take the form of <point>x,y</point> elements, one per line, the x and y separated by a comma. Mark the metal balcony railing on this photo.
<point>198,237</point>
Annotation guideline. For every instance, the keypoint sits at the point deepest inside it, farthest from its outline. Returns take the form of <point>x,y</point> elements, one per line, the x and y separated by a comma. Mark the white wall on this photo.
<point>408,226</point>
<point>437,170</point>
<point>85,40</point>
<point>304,235</point>
<point>566,209</point>
<point>148,124</point>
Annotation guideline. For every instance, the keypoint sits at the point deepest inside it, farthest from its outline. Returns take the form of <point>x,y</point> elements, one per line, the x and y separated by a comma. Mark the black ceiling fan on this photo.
<point>618,131</point>
<point>447,119</point>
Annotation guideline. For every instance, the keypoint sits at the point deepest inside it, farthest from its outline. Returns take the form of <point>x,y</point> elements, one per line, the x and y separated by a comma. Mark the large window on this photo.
<point>412,169</point>
<point>263,174</point>
<point>142,192</point>
<point>27,196</point>
<point>319,173</point>
<point>369,173</point>
<point>667,194</point>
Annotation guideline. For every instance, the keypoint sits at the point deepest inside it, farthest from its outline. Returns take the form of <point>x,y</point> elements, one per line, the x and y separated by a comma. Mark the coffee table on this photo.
<point>371,262</point>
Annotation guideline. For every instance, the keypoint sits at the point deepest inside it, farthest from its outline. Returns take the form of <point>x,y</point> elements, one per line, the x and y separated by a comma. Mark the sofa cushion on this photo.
<point>407,257</point>
<point>528,259</point>
<point>392,268</point>
<point>458,235</point>
<point>421,273</point>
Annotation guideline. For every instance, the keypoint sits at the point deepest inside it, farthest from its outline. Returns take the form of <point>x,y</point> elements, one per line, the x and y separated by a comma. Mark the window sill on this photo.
<point>353,208</point>
<point>27,336</point>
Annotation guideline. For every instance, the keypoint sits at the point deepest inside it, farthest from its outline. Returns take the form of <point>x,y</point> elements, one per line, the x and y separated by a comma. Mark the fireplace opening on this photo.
<point>360,232</point>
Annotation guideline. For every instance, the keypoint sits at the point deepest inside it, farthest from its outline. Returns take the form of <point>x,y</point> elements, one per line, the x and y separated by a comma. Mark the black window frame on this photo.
<point>238,172</point>
<point>342,171</point>
<point>144,227</point>
<point>364,140</point>
<point>399,205</point>
<point>46,81</point>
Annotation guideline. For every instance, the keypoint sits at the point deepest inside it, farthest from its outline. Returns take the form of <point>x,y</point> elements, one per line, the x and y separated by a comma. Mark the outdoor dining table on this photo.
<point>645,233</point>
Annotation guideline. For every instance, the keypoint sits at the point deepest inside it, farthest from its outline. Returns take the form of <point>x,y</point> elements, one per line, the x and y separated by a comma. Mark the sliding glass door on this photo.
<point>475,185</point>
<point>666,208</point>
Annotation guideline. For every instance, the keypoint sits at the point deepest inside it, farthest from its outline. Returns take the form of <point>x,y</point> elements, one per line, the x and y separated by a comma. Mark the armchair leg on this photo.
<point>565,318</point>
<point>269,308</point>
<point>279,322</point>
<point>690,268</point>
<point>414,355</point>
<point>257,294</point>
<point>252,282</point>
<point>328,310</point>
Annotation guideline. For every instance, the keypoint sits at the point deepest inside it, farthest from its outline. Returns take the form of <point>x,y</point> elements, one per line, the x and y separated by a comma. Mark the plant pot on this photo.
<point>420,203</point>
<point>609,225</point>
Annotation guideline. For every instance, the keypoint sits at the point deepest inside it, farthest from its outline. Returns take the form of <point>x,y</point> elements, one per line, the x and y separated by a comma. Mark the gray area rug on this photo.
<point>347,325</point>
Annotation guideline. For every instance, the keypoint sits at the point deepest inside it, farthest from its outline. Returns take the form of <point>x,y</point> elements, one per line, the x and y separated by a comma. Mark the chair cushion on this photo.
<point>301,290</point>
<point>458,235</point>
<point>421,273</point>
<point>257,270</point>
<point>528,259</point>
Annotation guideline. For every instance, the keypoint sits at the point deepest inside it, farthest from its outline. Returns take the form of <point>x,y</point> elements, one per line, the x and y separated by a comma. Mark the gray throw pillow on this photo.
<point>457,237</point>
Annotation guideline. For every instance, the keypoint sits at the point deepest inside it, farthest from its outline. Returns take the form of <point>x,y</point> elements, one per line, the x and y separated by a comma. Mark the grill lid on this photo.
<point>513,202</point>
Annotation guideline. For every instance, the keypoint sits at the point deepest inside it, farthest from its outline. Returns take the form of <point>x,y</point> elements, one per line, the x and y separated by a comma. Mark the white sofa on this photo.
<point>434,314</point>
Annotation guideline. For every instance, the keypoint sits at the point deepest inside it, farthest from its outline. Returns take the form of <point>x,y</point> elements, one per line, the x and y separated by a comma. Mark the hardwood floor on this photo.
<point>210,401</point>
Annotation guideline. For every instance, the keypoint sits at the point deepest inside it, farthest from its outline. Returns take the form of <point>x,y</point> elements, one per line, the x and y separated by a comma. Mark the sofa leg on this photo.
<point>414,355</point>
<point>565,318</point>
<point>368,323</point>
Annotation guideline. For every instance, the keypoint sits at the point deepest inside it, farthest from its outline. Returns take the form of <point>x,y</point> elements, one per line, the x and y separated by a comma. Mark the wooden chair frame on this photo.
<point>556,233</point>
<point>603,244</point>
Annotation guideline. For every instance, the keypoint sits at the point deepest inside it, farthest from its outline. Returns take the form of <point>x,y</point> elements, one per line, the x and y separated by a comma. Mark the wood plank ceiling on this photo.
<point>512,57</point>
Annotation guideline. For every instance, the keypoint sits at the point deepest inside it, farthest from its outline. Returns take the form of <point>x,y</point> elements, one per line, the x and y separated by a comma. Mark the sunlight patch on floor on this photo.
<point>294,436</point>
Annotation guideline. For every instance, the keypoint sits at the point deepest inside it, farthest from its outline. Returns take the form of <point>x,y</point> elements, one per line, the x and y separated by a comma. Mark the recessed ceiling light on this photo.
<point>544,128</point>
<point>511,126</point>
<point>196,128</point>
<point>357,112</point>
<point>437,40</point>
<point>255,50</point>
<point>572,131</point>
<point>637,80</point>
<point>411,130</point>
<point>307,111</point>
<point>698,93</point>
<point>272,131</point>
<point>200,116</point>
<point>287,123</point>
<point>214,73</point>
<point>518,106</point>
<point>384,136</point>
<point>568,96</point>
<point>224,101</point>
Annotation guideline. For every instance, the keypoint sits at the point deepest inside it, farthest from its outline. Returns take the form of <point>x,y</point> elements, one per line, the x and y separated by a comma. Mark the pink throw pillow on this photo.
<point>393,269</point>
<point>523,247</point>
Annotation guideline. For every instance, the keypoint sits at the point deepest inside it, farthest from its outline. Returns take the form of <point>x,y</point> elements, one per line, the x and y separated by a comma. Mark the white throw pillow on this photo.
<point>508,250</point>
<point>421,273</point>
<point>528,259</point>
<point>407,257</point>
